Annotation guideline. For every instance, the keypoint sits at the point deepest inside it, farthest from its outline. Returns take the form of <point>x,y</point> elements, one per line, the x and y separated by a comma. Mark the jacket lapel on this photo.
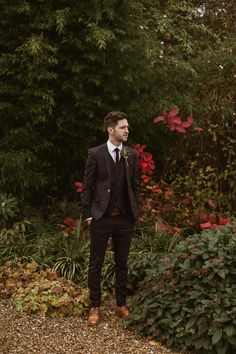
<point>107,158</point>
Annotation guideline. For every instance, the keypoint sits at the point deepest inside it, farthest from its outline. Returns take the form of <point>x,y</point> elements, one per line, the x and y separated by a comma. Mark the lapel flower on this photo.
<point>125,152</point>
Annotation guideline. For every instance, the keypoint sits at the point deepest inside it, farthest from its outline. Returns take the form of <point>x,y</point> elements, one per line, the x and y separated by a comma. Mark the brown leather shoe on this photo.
<point>94,316</point>
<point>122,311</point>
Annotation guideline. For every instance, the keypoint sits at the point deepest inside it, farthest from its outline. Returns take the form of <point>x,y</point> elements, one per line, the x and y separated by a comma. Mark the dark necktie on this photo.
<point>117,155</point>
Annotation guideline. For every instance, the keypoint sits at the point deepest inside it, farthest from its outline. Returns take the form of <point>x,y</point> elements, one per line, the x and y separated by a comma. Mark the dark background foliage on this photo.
<point>65,64</point>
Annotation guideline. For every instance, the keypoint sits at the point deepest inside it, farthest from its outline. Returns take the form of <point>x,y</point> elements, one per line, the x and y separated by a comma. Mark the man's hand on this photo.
<point>88,221</point>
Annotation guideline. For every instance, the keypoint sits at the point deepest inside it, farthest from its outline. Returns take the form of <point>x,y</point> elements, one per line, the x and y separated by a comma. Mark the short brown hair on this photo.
<point>112,118</point>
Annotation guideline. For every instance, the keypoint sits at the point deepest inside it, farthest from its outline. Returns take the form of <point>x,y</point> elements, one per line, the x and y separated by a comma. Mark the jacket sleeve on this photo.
<point>88,184</point>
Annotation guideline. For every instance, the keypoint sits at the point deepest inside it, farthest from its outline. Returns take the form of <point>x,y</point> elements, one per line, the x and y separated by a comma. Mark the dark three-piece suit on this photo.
<point>110,196</point>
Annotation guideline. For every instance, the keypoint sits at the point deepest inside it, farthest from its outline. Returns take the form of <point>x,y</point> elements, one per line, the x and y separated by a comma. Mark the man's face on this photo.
<point>120,133</point>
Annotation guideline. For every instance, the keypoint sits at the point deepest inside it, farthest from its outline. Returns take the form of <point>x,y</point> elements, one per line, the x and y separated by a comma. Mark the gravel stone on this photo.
<point>20,334</point>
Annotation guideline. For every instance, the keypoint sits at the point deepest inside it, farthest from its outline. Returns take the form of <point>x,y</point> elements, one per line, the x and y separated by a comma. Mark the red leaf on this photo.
<point>143,164</point>
<point>211,203</point>
<point>212,218</point>
<point>159,119</point>
<point>70,222</point>
<point>202,215</point>
<point>147,157</point>
<point>223,221</point>
<point>188,123</point>
<point>205,225</point>
<point>180,129</point>
<point>146,178</point>
<point>168,192</point>
<point>79,186</point>
<point>139,148</point>
<point>173,112</point>
<point>171,126</point>
<point>156,190</point>
<point>176,120</point>
<point>198,129</point>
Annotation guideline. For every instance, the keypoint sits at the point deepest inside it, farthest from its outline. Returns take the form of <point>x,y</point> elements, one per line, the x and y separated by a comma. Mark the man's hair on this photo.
<point>112,118</point>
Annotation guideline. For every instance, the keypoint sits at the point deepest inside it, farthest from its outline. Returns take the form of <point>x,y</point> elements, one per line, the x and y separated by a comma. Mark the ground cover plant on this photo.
<point>41,292</point>
<point>189,301</point>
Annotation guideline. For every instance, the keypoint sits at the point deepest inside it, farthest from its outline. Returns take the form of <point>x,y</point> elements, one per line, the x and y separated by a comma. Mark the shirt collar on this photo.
<point>112,147</point>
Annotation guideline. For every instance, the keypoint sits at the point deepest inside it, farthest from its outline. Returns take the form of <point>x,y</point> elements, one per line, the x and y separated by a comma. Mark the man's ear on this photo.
<point>110,130</point>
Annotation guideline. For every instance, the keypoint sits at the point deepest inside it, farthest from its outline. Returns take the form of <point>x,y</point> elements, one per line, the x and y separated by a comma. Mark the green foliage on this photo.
<point>41,292</point>
<point>8,208</point>
<point>189,302</point>
<point>146,250</point>
<point>13,242</point>
<point>57,80</point>
<point>65,250</point>
<point>53,298</point>
<point>74,255</point>
<point>63,66</point>
<point>15,275</point>
<point>194,70</point>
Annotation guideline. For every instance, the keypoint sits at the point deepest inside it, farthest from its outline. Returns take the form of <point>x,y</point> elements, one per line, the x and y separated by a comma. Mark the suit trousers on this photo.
<point>120,228</point>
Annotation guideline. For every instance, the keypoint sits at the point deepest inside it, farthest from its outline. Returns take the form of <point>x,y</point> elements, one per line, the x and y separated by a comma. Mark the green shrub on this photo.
<point>190,303</point>
<point>74,253</point>
<point>44,293</point>
<point>17,243</point>
<point>65,249</point>
<point>13,242</point>
<point>146,250</point>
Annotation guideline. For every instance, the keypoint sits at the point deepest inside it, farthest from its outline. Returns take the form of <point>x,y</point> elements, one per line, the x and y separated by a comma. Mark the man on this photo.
<point>110,200</point>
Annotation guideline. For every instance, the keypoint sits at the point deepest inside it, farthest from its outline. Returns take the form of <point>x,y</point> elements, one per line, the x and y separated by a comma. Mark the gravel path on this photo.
<point>28,334</point>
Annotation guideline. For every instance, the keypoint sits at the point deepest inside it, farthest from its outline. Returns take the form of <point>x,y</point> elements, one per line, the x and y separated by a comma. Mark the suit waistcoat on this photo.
<point>119,197</point>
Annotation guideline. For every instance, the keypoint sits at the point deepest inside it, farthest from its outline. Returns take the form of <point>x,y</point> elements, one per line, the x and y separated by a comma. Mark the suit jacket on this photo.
<point>97,181</point>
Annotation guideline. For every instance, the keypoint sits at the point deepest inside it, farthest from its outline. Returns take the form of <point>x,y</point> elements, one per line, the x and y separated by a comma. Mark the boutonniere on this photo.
<point>125,153</point>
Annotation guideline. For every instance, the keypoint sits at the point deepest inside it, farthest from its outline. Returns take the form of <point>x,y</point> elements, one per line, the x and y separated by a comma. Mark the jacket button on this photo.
<point>108,190</point>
